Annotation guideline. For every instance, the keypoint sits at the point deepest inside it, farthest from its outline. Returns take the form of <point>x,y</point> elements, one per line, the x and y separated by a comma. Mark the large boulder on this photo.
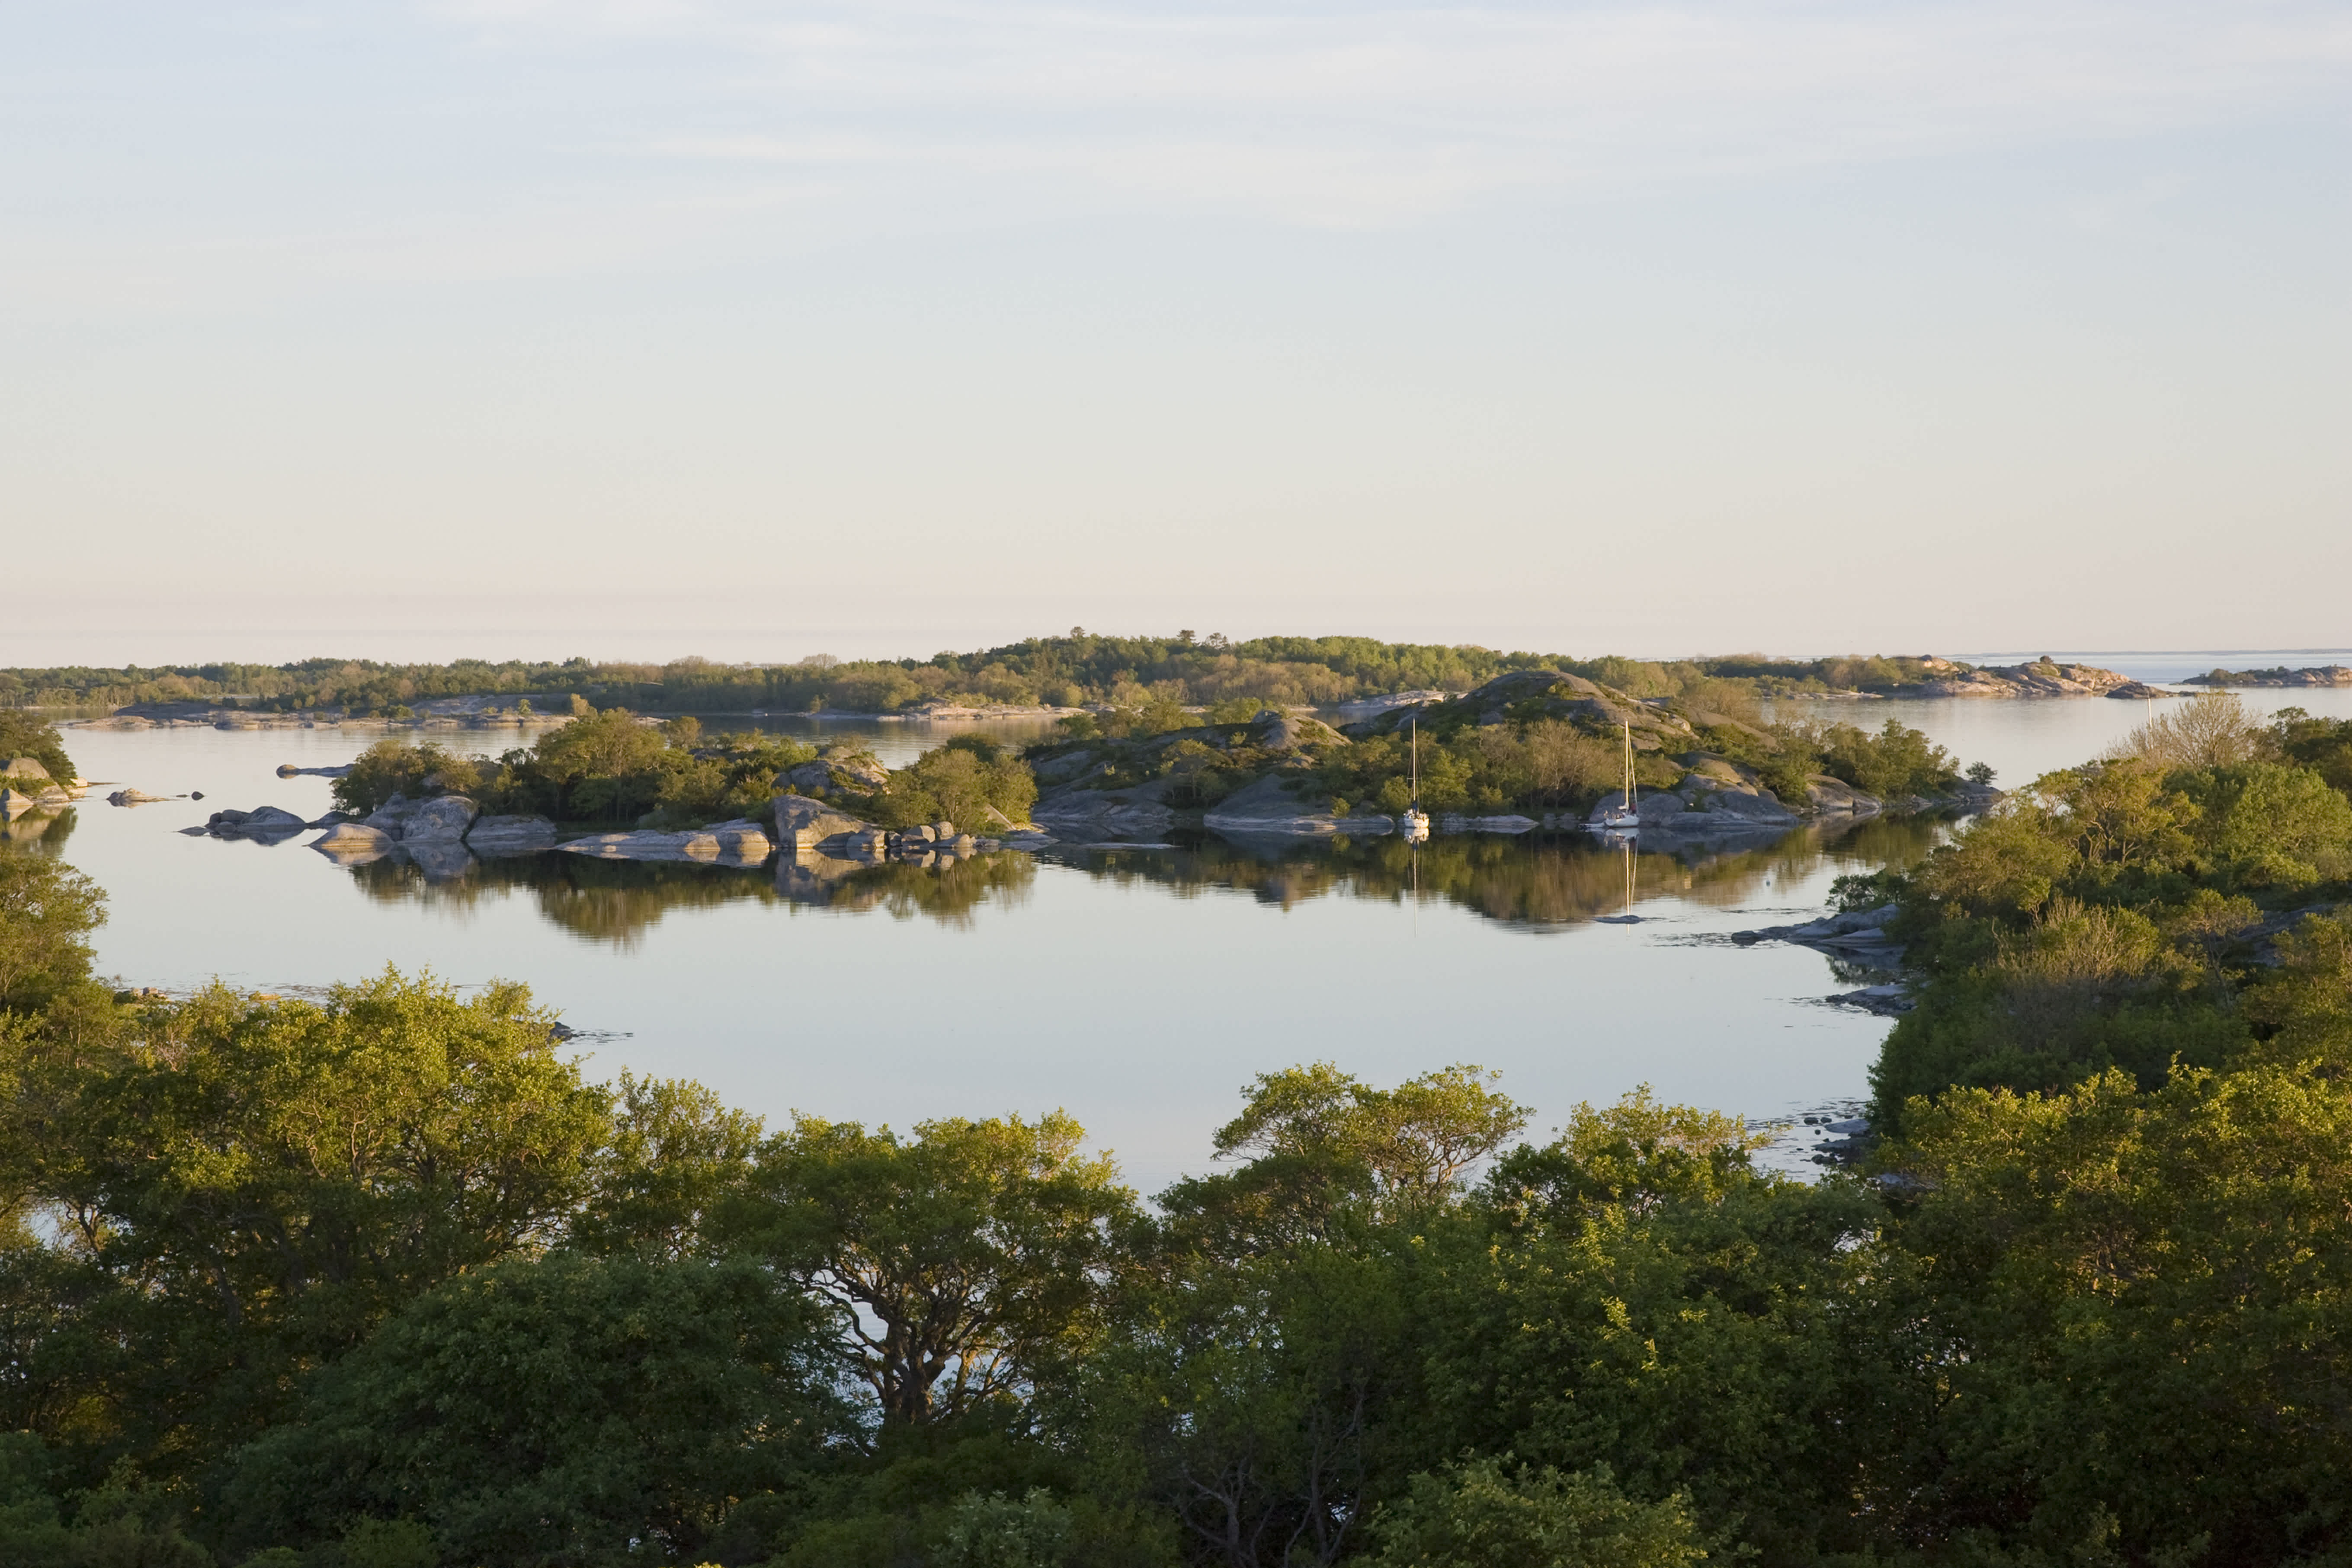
<point>353,843</point>
<point>803,824</point>
<point>1276,730</point>
<point>1835,798</point>
<point>25,768</point>
<point>1713,785</point>
<point>391,817</point>
<point>741,839</point>
<point>442,820</point>
<point>837,768</point>
<point>870,845</point>
<point>15,803</point>
<point>133,797</point>
<point>264,824</point>
<point>510,835</point>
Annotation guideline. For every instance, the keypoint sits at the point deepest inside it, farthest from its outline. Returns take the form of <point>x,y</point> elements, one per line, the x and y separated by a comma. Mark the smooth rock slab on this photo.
<point>1267,809</point>
<point>725,843</point>
<point>510,835</point>
<point>354,843</point>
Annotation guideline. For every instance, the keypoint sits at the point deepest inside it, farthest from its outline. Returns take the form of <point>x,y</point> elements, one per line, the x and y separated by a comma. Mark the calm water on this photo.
<point>1138,989</point>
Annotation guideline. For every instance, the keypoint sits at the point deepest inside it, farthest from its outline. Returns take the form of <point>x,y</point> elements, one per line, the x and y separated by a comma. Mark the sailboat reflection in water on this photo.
<point>1625,915</point>
<point>1621,822</point>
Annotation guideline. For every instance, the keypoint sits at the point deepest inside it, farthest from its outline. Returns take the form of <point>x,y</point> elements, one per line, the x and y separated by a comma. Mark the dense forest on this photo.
<point>1073,671</point>
<point>383,1280</point>
<point>2175,907</point>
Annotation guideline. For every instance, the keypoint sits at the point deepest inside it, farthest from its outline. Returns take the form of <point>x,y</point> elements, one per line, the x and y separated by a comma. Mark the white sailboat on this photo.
<point>1414,823</point>
<point>1625,816</point>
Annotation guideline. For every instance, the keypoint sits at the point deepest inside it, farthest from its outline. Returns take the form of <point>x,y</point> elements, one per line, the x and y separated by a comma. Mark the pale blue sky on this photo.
<point>750,330</point>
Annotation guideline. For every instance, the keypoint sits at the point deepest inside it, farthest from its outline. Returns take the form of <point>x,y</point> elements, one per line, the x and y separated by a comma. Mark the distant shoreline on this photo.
<point>1041,680</point>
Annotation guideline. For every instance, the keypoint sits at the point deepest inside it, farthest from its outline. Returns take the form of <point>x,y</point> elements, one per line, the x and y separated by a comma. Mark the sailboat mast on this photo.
<point>1415,722</point>
<point>1629,767</point>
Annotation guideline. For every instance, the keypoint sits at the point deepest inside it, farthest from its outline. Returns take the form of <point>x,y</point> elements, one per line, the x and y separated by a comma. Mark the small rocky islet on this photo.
<point>1267,778</point>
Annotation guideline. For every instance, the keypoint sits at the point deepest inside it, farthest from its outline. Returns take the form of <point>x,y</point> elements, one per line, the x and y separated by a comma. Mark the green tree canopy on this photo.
<point>47,911</point>
<point>266,1180</point>
<point>1483,1515</point>
<point>957,1261</point>
<point>1313,1139</point>
<point>568,1409</point>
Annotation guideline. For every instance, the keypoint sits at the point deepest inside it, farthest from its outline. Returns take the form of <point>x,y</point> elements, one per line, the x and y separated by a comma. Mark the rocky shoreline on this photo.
<point>2044,678</point>
<point>2312,675</point>
<point>30,799</point>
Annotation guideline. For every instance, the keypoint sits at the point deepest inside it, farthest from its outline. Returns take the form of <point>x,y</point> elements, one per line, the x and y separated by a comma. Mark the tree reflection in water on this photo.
<point>42,833</point>
<point>618,900</point>
<point>1548,881</point>
<point>1533,882</point>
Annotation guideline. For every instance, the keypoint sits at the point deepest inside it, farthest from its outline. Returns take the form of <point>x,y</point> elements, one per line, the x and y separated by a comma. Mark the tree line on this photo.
<point>1082,668</point>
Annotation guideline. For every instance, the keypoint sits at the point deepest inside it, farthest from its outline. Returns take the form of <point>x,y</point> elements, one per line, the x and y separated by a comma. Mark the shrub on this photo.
<point>1479,1515</point>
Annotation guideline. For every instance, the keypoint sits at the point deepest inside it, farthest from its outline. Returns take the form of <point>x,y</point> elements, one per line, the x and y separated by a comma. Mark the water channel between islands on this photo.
<point>1139,988</point>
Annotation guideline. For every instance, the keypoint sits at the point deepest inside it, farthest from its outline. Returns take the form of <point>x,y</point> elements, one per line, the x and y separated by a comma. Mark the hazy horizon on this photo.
<point>666,646</point>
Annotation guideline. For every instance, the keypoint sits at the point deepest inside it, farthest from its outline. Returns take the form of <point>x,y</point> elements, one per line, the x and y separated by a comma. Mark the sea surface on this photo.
<point>1139,988</point>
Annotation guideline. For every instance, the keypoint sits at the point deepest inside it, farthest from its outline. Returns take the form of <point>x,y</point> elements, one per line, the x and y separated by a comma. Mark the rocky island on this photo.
<point>2043,678</point>
<point>2278,675</point>
<point>1526,751</point>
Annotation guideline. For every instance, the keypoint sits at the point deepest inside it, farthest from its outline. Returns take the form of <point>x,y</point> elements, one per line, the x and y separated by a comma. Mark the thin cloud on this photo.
<point>1375,112</point>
